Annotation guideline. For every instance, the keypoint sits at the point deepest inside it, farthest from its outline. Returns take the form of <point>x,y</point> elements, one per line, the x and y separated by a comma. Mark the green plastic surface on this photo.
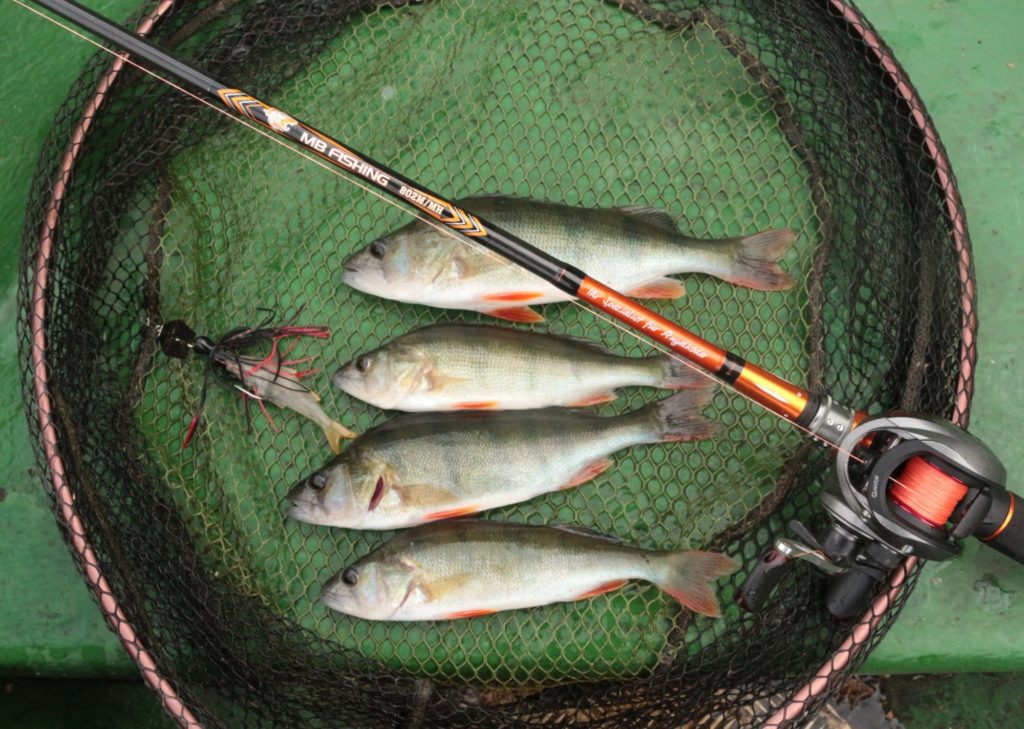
<point>965,57</point>
<point>83,704</point>
<point>48,623</point>
<point>965,701</point>
<point>967,61</point>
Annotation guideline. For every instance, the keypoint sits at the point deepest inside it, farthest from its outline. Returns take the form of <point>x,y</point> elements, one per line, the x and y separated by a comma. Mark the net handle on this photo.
<point>823,680</point>
<point>75,536</point>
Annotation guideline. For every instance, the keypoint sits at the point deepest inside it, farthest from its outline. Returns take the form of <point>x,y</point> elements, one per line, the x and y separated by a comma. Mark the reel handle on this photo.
<point>762,580</point>
<point>848,593</point>
<point>1003,525</point>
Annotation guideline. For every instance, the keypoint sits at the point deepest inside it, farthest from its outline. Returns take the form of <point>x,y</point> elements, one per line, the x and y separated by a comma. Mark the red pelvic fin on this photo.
<point>601,589</point>
<point>469,613</point>
<point>523,314</point>
<point>451,513</point>
<point>514,296</point>
<point>588,472</point>
<point>476,405</point>
<point>659,288</point>
<point>593,400</point>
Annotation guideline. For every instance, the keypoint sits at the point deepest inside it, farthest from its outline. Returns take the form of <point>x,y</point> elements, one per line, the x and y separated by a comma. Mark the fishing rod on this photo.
<point>903,485</point>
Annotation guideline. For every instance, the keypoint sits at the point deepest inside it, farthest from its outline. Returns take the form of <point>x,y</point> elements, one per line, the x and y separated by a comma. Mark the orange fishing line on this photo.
<point>927,492</point>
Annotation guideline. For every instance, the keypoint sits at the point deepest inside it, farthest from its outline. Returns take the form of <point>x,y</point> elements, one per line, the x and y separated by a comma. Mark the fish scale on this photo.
<point>632,249</point>
<point>470,367</point>
<point>470,567</point>
<point>428,466</point>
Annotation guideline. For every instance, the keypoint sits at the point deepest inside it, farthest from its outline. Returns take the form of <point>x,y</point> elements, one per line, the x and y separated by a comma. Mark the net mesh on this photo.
<point>732,116</point>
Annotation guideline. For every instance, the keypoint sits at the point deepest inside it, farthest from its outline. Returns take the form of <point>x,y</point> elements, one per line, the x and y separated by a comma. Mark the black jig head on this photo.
<point>228,362</point>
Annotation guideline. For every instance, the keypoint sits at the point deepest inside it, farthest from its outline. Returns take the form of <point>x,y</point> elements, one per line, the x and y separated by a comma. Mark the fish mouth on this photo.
<point>339,379</point>
<point>330,597</point>
<point>300,508</point>
<point>303,511</point>
<point>295,492</point>
<point>327,597</point>
<point>354,607</point>
<point>350,274</point>
<point>302,504</point>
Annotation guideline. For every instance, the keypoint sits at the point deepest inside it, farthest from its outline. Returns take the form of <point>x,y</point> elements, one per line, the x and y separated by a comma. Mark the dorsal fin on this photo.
<point>652,216</point>
<point>583,531</point>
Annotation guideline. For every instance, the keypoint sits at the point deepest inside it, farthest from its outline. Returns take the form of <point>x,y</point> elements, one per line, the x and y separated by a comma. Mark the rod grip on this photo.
<point>1003,525</point>
<point>848,594</point>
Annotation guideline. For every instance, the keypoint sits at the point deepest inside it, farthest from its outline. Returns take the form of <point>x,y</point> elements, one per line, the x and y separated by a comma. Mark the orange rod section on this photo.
<point>772,392</point>
<point>654,326</point>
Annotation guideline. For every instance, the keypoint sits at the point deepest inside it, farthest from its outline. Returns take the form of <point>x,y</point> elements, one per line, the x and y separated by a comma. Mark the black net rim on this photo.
<point>861,632</point>
<point>76,533</point>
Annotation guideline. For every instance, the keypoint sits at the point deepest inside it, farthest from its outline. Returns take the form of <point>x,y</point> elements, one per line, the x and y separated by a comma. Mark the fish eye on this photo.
<point>318,481</point>
<point>363,363</point>
<point>350,576</point>
<point>378,248</point>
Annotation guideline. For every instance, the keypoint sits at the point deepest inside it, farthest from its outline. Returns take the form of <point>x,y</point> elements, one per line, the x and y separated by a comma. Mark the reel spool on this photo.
<point>902,485</point>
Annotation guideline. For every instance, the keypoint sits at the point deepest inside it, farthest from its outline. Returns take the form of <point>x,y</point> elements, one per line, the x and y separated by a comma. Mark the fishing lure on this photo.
<point>272,377</point>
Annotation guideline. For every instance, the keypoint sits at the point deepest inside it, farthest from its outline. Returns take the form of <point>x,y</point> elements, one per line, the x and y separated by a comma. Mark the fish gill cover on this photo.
<point>731,116</point>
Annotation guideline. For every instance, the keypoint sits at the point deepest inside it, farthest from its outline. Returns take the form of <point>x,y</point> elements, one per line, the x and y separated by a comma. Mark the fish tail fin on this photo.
<point>335,431</point>
<point>688,577</point>
<point>756,264</point>
<point>676,418</point>
<point>678,375</point>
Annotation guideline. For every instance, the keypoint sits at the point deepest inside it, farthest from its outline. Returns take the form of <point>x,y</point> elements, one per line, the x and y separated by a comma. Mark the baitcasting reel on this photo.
<point>902,485</point>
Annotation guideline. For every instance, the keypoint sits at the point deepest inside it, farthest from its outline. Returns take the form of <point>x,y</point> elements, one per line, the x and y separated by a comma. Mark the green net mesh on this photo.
<point>733,116</point>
